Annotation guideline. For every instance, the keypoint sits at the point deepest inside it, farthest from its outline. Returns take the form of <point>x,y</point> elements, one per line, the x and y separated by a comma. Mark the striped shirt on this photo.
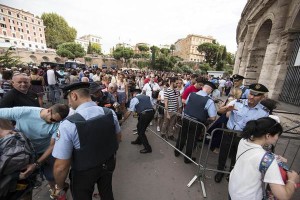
<point>171,95</point>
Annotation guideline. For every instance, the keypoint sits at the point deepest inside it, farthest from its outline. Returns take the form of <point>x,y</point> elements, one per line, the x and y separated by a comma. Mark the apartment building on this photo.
<point>21,29</point>
<point>86,39</point>
<point>186,48</point>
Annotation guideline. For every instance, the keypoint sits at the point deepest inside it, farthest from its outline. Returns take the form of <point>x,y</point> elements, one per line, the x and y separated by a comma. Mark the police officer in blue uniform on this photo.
<point>240,112</point>
<point>199,107</point>
<point>141,104</point>
<point>87,141</point>
<point>238,83</point>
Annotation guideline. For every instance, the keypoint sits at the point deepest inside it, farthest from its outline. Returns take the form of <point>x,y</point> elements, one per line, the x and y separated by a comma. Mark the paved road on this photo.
<point>156,176</point>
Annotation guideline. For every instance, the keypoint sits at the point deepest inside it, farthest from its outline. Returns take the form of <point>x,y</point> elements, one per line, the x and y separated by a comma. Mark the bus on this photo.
<point>74,64</point>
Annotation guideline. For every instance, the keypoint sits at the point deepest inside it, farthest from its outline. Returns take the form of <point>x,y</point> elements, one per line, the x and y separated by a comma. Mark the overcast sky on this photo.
<point>156,22</point>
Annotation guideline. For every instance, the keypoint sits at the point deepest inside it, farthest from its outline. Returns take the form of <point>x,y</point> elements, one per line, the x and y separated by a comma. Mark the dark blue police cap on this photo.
<point>69,88</point>
<point>212,85</point>
<point>258,88</point>
<point>237,77</point>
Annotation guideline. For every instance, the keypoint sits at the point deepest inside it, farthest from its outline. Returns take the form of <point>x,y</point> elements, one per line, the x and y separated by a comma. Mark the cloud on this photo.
<point>155,22</point>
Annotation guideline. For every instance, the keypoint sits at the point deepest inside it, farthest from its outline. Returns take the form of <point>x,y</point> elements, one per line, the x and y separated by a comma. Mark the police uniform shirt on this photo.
<point>209,106</point>
<point>67,136</point>
<point>246,93</point>
<point>243,113</point>
<point>134,101</point>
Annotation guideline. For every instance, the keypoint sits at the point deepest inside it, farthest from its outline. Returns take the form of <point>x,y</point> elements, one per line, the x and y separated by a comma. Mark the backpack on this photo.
<point>16,152</point>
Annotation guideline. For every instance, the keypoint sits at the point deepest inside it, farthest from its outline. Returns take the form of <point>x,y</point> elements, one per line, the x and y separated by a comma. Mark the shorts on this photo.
<point>121,97</point>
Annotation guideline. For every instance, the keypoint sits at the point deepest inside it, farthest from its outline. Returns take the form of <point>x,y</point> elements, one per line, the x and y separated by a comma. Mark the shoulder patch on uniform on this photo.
<point>57,135</point>
<point>265,109</point>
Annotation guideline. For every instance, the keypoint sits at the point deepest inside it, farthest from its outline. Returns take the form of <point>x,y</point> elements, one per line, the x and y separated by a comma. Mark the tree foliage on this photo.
<point>211,52</point>
<point>57,30</point>
<point>9,60</point>
<point>143,48</point>
<point>70,50</point>
<point>172,48</point>
<point>96,48</point>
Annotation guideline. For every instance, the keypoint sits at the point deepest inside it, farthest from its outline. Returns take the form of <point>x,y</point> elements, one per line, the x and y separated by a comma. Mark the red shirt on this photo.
<point>148,79</point>
<point>188,91</point>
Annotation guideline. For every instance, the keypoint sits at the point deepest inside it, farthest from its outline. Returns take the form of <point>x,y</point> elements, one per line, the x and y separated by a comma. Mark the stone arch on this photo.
<point>45,59</point>
<point>58,59</point>
<point>258,51</point>
<point>33,58</point>
<point>243,34</point>
<point>296,21</point>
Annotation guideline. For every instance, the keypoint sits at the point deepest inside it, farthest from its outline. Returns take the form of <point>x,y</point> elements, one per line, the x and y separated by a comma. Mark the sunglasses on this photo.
<point>19,73</point>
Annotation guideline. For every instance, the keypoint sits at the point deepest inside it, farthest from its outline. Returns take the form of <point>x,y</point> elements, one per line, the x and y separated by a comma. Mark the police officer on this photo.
<point>87,141</point>
<point>238,83</point>
<point>141,104</point>
<point>199,107</point>
<point>240,111</point>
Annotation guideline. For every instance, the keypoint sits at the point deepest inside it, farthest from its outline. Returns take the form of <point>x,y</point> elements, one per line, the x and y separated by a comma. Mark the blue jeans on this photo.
<point>54,93</point>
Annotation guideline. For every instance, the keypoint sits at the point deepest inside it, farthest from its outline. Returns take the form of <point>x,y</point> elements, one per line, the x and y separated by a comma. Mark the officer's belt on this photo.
<point>148,110</point>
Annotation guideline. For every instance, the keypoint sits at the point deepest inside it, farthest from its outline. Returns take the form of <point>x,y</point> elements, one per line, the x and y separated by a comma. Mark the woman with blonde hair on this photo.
<point>122,91</point>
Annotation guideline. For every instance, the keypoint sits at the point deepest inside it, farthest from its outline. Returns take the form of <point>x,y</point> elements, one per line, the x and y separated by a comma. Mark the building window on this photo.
<point>33,27</point>
<point>42,41</point>
<point>23,44</point>
<point>39,22</point>
<point>27,31</point>
<point>7,40</point>
<point>4,32</point>
<point>26,25</point>
<point>32,20</point>
<point>22,30</point>
<point>19,29</point>
<point>14,28</point>
<point>41,35</point>
<point>13,21</point>
<point>9,20</point>
<point>1,10</point>
<point>29,38</point>
<point>21,23</point>
<point>9,12</point>
<point>3,25</point>
<point>25,18</point>
<point>29,45</point>
<point>35,40</point>
<point>42,47</point>
<point>18,15</point>
<point>15,42</point>
<point>36,46</point>
<point>22,37</point>
<point>40,29</point>
<point>3,18</point>
<point>34,33</point>
<point>14,35</point>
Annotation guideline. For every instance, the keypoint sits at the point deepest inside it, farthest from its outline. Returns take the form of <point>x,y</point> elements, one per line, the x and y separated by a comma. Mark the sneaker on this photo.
<point>158,129</point>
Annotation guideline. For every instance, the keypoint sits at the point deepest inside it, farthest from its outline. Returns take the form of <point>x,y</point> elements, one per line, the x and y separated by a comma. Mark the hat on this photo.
<point>258,88</point>
<point>213,86</point>
<point>69,88</point>
<point>94,87</point>
<point>137,90</point>
<point>237,77</point>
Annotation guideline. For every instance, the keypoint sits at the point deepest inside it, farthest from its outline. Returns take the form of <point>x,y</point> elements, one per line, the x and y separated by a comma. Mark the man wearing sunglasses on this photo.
<point>40,126</point>
<point>240,112</point>
<point>238,83</point>
<point>20,95</point>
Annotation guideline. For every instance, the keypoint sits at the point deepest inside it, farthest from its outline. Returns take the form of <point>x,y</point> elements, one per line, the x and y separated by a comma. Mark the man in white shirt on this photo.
<point>150,87</point>
<point>96,77</point>
<point>53,85</point>
<point>222,85</point>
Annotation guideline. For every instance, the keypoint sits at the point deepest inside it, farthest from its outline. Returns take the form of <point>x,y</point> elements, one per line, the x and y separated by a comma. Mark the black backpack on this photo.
<point>16,152</point>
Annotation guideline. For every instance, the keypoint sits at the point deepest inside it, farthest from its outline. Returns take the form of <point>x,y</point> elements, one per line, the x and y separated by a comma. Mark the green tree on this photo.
<point>89,49</point>
<point>154,51</point>
<point>57,30</point>
<point>172,48</point>
<point>165,51</point>
<point>220,65</point>
<point>230,58</point>
<point>224,54</point>
<point>96,48</point>
<point>211,52</point>
<point>143,48</point>
<point>70,50</point>
<point>123,52</point>
<point>9,60</point>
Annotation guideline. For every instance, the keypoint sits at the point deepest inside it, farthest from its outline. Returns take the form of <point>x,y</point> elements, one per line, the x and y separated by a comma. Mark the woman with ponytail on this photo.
<point>255,167</point>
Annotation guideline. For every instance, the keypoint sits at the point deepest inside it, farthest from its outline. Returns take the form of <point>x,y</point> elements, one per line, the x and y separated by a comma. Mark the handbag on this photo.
<point>154,93</point>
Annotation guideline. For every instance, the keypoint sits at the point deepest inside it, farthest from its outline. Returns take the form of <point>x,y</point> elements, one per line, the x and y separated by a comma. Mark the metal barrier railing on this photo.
<point>188,127</point>
<point>58,96</point>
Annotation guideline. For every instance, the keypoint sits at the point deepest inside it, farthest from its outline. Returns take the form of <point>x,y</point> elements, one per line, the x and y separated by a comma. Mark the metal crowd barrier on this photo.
<point>199,129</point>
<point>58,99</point>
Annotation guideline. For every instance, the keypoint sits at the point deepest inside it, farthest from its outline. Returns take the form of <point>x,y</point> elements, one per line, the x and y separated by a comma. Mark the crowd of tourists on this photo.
<point>63,111</point>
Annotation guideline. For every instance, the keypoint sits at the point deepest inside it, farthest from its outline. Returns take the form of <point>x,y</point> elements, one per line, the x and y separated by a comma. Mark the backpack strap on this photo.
<point>265,163</point>
<point>244,152</point>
